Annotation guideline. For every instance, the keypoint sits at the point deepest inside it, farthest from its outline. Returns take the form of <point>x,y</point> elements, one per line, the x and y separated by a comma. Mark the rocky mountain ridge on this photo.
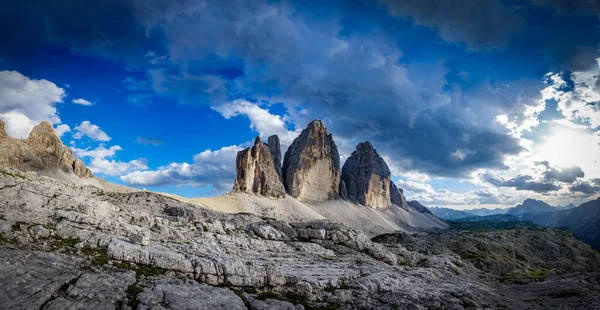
<point>43,151</point>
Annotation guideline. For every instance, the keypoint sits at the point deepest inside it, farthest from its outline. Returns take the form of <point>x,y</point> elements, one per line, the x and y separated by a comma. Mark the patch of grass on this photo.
<point>8,174</point>
<point>66,244</point>
<point>3,240</point>
<point>123,265</point>
<point>99,256</point>
<point>240,294</point>
<point>140,270</point>
<point>204,228</point>
<point>132,292</point>
<point>17,226</point>
<point>509,276</point>
<point>540,273</point>
<point>148,271</point>
<point>474,256</point>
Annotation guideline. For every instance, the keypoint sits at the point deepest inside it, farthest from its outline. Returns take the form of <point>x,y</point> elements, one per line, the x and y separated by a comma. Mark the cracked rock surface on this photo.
<point>67,246</point>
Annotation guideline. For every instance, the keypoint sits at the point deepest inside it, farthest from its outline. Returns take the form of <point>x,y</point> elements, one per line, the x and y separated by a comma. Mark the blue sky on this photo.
<point>472,103</point>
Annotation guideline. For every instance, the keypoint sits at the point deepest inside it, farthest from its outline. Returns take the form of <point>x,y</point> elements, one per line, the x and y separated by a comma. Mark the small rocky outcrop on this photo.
<point>397,196</point>
<point>368,179</point>
<point>42,151</point>
<point>311,165</point>
<point>256,171</point>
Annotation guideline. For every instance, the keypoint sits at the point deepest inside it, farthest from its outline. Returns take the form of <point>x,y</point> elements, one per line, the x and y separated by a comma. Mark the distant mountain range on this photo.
<point>583,221</point>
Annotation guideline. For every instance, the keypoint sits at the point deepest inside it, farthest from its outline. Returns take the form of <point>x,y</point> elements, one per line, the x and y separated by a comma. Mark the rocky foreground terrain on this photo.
<point>69,246</point>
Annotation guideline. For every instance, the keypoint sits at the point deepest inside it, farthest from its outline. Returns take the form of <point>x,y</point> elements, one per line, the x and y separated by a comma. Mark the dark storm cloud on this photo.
<point>521,182</point>
<point>563,174</point>
<point>480,24</point>
<point>587,187</point>
<point>209,52</point>
<point>572,6</point>
<point>102,28</point>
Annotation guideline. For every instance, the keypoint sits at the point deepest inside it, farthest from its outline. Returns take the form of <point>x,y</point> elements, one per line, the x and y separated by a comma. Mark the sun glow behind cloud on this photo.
<point>568,146</point>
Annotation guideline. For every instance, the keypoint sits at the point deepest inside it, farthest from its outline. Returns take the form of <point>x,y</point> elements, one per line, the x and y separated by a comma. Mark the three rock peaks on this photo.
<point>311,171</point>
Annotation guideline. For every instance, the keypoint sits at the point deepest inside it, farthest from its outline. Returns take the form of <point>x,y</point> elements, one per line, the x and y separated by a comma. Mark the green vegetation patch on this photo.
<point>540,273</point>
<point>65,244</point>
<point>99,256</point>
<point>8,174</point>
<point>132,292</point>
<point>140,270</point>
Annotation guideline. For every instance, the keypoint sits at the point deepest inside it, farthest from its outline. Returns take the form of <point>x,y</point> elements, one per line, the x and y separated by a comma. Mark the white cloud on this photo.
<point>26,102</point>
<point>101,164</point>
<point>62,129</point>
<point>579,102</point>
<point>91,131</point>
<point>209,168</point>
<point>82,101</point>
<point>262,121</point>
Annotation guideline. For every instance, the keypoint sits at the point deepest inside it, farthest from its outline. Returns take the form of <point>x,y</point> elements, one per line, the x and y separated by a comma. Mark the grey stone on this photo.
<point>168,293</point>
<point>40,231</point>
<point>141,238</point>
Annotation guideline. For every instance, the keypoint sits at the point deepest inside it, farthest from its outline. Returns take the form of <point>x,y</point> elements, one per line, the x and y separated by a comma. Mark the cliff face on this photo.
<point>367,177</point>
<point>41,151</point>
<point>367,180</point>
<point>311,166</point>
<point>275,148</point>
<point>256,171</point>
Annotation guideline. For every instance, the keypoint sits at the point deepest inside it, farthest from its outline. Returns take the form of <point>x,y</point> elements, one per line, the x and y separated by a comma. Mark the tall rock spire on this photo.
<point>368,181</point>
<point>275,149</point>
<point>311,165</point>
<point>256,171</point>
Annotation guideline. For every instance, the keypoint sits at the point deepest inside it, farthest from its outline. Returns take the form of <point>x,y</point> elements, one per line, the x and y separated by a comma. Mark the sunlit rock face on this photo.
<point>367,177</point>
<point>311,165</point>
<point>41,151</point>
<point>256,171</point>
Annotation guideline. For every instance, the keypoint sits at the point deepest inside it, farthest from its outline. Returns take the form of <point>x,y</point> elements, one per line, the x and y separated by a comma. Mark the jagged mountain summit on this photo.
<point>42,151</point>
<point>367,179</point>
<point>311,165</point>
<point>531,206</point>
<point>257,170</point>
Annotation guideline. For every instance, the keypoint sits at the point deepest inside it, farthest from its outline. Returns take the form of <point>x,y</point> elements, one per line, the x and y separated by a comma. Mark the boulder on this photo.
<point>311,165</point>
<point>256,171</point>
